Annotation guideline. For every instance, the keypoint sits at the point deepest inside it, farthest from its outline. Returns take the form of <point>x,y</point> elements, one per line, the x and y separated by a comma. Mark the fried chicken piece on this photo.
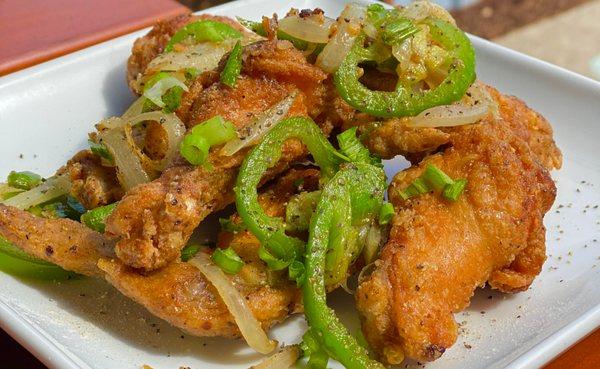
<point>394,137</point>
<point>149,46</point>
<point>154,220</point>
<point>92,184</point>
<point>177,293</point>
<point>439,251</point>
<point>195,305</point>
<point>64,242</point>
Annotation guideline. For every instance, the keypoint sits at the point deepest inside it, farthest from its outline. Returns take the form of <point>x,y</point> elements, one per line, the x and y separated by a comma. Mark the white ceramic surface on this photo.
<point>47,110</point>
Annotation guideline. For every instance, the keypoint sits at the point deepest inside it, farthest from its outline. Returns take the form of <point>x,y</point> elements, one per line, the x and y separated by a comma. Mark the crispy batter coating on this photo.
<point>65,242</point>
<point>92,184</point>
<point>394,137</point>
<point>439,252</point>
<point>177,293</point>
<point>154,220</point>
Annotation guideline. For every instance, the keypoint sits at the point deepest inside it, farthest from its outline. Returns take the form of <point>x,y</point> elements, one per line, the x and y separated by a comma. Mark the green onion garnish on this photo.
<point>189,252</point>
<point>227,260</point>
<point>433,178</point>
<point>215,131</point>
<point>23,180</point>
<point>297,272</point>
<point>386,213</point>
<point>202,31</point>
<point>451,192</point>
<point>233,66</point>
<point>436,178</point>
<point>100,150</point>
<point>351,146</point>
<point>96,218</point>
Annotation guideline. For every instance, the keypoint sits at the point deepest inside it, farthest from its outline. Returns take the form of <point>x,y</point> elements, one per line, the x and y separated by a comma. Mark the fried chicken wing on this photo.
<point>439,252</point>
<point>154,220</point>
<point>394,137</point>
<point>64,242</point>
<point>177,293</point>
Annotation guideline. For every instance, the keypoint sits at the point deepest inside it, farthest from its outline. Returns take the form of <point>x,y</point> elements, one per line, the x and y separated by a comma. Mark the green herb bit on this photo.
<point>23,180</point>
<point>233,66</point>
<point>96,218</point>
<point>189,252</point>
<point>453,191</point>
<point>386,213</point>
<point>227,260</point>
<point>196,144</point>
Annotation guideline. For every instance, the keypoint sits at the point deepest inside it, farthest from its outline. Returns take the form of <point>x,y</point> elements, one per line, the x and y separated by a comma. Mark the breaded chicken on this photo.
<point>394,137</point>
<point>440,251</point>
<point>154,221</point>
<point>64,242</point>
<point>177,293</point>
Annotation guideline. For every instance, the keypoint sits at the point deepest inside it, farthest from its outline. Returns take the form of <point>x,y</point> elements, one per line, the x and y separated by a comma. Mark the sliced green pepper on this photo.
<point>270,230</point>
<point>17,262</point>
<point>203,30</point>
<point>404,101</point>
<point>354,184</point>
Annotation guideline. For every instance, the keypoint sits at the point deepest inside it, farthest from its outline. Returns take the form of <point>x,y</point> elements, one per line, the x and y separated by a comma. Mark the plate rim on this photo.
<point>52,354</point>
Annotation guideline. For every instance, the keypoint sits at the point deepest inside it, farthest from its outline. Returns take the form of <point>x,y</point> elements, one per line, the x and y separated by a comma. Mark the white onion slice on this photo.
<point>313,28</point>
<point>129,169</point>
<point>283,359</point>
<point>469,110</point>
<point>340,44</point>
<point>46,191</point>
<point>249,326</point>
<point>203,56</point>
<point>135,108</point>
<point>263,124</point>
<point>156,92</point>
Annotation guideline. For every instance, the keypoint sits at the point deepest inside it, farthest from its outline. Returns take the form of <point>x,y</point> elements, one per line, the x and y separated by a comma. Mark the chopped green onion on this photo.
<point>436,178</point>
<point>279,251</point>
<point>233,67</point>
<point>96,218</point>
<point>376,14</point>
<point>297,272</point>
<point>158,87</point>
<point>24,180</point>
<point>172,99</point>
<point>202,31</point>
<point>453,191</point>
<point>351,146</point>
<point>227,260</point>
<point>189,252</point>
<point>215,131</point>
<point>299,210</point>
<point>433,178</point>
<point>386,213</point>
<point>229,226</point>
<point>100,150</point>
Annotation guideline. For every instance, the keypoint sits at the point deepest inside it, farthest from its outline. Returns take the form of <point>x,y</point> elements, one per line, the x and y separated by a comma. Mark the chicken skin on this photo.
<point>440,251</point>
<point>177,293</point>
<point>154,221</point>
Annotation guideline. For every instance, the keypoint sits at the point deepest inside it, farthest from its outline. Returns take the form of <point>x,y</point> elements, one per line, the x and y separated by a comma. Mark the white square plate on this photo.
<point>47,110</point>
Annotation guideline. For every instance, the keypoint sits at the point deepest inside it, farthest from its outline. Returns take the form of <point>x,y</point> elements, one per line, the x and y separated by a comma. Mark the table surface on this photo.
<point>33,37</point>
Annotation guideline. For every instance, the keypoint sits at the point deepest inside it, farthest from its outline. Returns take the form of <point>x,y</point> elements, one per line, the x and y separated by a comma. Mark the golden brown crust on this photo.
<point>439,252</point>
<point>65,242</point>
